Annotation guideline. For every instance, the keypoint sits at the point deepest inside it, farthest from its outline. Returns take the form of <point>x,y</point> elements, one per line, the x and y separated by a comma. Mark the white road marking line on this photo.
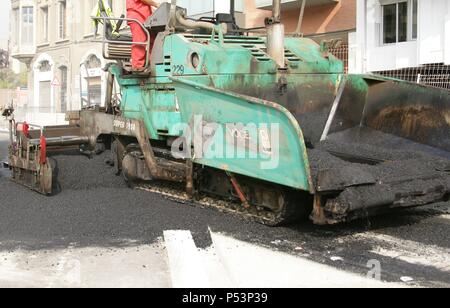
<point>253,266</point>
<point>217,273</point>
<point>185,262</point>
<point>409,251</point>
<point>445,216</point>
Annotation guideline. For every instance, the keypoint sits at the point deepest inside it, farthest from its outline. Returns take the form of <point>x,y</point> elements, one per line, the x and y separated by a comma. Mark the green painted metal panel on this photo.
<point>241,55</point>
<point>155,105</point>
<point>312,59</point>
<point>236,82</point>
<point>286,165</point>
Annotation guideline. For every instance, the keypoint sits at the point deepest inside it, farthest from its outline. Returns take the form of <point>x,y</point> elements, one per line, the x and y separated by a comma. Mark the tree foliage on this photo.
<point>11,80</point>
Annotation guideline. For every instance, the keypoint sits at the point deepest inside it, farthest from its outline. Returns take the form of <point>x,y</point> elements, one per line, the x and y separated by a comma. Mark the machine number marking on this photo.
<point>178,69</point>
<point>124,125</point>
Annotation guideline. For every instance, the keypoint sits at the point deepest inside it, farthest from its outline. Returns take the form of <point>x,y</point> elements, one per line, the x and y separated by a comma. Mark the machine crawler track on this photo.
<point>177,193</point>
<point>268,204</point>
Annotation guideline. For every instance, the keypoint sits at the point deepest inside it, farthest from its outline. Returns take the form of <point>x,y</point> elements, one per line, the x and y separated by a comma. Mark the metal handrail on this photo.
<point>105,41</point>
<point>31,125</point>
<point>40,128</point>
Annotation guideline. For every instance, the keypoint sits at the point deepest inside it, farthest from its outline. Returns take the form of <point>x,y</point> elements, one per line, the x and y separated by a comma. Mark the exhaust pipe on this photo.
<point>190,24</point>
<point>233,9</point>
<point>275,35</point>
<point>276,11</point>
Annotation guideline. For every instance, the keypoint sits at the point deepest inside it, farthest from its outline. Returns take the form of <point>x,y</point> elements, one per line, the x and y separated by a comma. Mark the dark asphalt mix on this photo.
<point>96,208</point>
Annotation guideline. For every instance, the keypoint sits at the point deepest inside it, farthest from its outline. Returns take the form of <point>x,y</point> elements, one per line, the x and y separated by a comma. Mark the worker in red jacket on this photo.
<point>140,10</point>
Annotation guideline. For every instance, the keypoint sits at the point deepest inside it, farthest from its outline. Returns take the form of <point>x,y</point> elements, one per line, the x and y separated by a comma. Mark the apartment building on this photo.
<point>407,39</point>
<point>54,38</point>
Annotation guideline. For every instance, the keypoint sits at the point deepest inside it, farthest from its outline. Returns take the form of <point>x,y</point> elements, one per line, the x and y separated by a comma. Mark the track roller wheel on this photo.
<point>134,169</point>
<point>292,206</point>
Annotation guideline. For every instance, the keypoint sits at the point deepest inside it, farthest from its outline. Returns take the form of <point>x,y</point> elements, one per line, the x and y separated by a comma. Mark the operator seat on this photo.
<point>227,19</point>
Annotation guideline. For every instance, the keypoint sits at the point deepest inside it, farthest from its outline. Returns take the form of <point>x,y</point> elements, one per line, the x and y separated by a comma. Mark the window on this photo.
<point>15,26</point>
<point>402,15</point>
<point>88,11</point>
<point>62,20</point>
<point>390,23</point>
<point>63,94</point>
<point>45,94</point>
<point>27,25</point>
<point>94,79</point>
<point>95,90</point>
<point>44,12</point>
<point>415,14</point>
<point>400,21</point>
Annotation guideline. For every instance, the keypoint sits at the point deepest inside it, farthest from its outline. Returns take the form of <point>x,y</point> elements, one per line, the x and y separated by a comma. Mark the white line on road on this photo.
<point>409,251</point>
<point>253,266</point>
<point>185,262</point>
<point>445,216</point>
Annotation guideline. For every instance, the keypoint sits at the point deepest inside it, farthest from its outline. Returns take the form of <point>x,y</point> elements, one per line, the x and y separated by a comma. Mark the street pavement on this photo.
<point>101,233</point>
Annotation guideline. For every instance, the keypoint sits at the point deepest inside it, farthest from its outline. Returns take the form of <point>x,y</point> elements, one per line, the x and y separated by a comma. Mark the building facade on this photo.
<point>407,39</point>
<point>320,16</point>
<point>209,8</point>
<point>322,20</point>
<point>54,38</point>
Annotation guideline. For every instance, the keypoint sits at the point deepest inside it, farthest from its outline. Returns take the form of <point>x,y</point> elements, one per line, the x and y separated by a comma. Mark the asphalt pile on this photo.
<point>371,169</point>
<point>385,156</point>
<point>80,172</point>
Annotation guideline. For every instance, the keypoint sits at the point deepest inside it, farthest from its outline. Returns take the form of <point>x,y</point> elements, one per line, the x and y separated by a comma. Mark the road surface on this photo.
<point>98,232</point>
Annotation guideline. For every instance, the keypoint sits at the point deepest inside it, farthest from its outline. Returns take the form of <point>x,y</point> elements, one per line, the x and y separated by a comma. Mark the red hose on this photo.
<point>43,159</point>
<point>239,191</point>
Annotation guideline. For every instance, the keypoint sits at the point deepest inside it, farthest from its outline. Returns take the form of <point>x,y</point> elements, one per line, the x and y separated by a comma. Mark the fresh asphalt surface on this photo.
<point>95,208</point>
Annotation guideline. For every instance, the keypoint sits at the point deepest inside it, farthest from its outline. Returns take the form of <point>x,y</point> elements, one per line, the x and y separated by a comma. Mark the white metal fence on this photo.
<point>341,53</point>
<point>435,75</point>
<point>35,115</point>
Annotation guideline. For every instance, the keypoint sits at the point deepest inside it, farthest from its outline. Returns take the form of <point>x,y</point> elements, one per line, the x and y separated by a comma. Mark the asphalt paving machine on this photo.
<point>268,121</point>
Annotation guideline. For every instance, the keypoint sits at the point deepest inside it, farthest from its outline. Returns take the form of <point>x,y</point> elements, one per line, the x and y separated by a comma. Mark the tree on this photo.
<point>10,80</point>
<point>4,59</point>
